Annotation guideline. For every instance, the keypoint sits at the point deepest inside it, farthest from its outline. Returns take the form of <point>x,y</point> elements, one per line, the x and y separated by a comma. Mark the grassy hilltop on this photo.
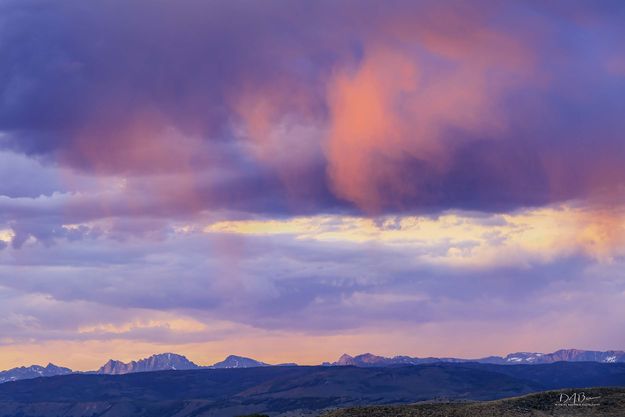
<point>611,403</point>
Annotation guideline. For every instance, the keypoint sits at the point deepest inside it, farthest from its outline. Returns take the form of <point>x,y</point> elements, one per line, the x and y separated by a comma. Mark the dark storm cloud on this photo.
<point>487,107</point>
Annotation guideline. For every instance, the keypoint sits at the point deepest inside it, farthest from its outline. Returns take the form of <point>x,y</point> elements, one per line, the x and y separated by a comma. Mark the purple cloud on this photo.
<point>215,92</point>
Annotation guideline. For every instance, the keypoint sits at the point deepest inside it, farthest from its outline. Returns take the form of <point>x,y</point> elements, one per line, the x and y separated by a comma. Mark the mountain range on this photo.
<point>34,371</point>
<point>160,362</point>
<point>531,358</point>
<point>172,361</point>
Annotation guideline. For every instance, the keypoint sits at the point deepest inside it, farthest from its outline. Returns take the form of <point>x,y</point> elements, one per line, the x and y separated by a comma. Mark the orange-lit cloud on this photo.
<point>396,108</point>
<point>518,238</point>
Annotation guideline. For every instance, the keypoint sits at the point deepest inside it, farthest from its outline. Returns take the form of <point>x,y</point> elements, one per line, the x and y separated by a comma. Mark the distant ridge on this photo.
<point>371,360</point>
<point>34,371</point>
<point>173,361</point>
<point>562,355</point>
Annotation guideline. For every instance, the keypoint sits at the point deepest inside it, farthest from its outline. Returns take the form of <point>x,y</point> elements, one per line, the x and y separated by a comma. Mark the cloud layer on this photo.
<point>414,106</point>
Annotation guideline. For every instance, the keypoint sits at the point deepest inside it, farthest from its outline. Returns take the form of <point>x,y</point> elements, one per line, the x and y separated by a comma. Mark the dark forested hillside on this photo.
<point>275,390</point>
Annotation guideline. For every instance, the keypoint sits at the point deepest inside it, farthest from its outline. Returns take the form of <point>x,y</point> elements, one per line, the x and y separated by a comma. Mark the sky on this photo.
<point>293,180</point>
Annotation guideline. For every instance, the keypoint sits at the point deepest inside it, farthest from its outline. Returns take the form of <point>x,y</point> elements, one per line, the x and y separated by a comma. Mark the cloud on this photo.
<point>319,274</point>
<point>326,107</point>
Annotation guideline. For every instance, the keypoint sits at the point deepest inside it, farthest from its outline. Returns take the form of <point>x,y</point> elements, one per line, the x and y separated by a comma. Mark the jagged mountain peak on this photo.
<point>345,360</point>
<point>369,358</point>
<point>157,362</point>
